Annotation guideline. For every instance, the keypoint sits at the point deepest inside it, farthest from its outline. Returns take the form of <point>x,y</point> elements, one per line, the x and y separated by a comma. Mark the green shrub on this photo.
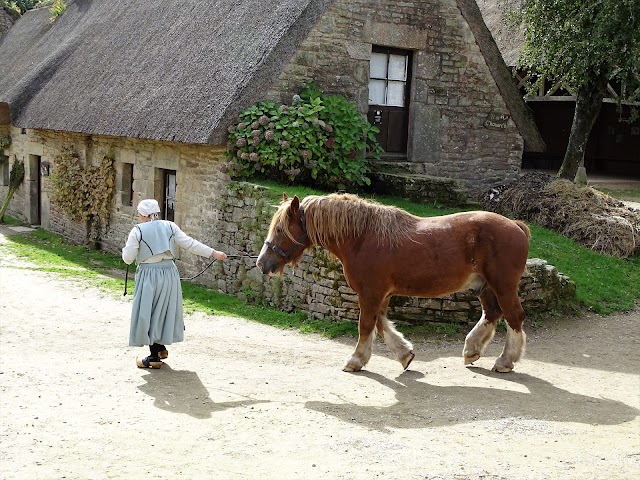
<point>317,139</point>
<point>57,8</point>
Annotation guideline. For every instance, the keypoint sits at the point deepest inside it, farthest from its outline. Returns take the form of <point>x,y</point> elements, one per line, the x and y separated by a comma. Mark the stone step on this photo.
<point>419,187</point>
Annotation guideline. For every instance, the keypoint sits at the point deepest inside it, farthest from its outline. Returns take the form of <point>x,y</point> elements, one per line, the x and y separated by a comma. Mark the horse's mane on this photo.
<point>340,216</point>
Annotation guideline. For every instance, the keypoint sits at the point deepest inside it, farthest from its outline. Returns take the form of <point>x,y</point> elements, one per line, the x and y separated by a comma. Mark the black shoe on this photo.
<point>148,362</point>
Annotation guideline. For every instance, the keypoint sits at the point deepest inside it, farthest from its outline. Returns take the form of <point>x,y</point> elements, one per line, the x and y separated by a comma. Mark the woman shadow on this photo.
<point>182,391</point>
<point>420,404</point>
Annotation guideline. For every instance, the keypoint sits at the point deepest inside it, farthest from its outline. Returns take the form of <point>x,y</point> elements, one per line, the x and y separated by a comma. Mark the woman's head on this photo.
<point>149,208</point>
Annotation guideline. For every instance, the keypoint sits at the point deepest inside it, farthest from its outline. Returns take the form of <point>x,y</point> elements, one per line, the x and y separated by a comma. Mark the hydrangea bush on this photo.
<point>318,138</point>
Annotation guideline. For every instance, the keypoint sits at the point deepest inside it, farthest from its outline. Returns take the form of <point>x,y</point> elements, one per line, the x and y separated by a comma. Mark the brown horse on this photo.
<point>386,251</point>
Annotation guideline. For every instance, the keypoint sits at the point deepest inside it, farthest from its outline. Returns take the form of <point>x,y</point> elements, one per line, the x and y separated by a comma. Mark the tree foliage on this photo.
<point>584,44</point>
<point>21,6</point>
<point>578,40</point>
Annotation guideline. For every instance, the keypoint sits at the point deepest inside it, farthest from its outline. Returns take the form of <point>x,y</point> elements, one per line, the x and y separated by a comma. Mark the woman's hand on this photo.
<point>218,255</point>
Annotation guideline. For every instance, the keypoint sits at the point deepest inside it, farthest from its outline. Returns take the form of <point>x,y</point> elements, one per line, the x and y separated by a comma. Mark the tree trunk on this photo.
<point>15,179</point>
<point>588,104</point>
<point>6,202</point>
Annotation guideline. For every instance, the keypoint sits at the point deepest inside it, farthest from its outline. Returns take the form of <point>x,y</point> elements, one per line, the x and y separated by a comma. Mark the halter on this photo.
<point>298,243</point>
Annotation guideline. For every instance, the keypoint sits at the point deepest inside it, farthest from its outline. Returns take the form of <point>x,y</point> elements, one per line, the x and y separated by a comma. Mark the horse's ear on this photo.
<point>295,203</point>
<point>285,197</point>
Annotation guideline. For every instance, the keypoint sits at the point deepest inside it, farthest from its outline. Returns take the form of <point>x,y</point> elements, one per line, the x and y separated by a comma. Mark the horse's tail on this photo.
<point>524,227</point>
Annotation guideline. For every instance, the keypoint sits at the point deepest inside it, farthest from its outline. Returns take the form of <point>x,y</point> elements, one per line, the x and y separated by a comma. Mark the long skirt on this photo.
<point>156,314</point>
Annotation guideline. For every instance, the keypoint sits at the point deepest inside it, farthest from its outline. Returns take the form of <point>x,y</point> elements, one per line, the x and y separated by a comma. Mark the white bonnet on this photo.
<point>148,207</point>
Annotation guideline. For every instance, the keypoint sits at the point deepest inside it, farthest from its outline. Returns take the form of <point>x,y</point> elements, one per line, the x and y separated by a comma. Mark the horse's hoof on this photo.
<point>471,358</point>
<point>352,367</point>
<point>502,366</point>
<point>406,361</point>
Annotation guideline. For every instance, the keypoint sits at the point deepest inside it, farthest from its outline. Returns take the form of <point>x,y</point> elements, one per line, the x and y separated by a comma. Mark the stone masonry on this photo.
<point>316,285</point>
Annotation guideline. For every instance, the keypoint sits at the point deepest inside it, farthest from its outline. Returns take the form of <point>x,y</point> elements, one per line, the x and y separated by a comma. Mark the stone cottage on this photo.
<point>155,86</point>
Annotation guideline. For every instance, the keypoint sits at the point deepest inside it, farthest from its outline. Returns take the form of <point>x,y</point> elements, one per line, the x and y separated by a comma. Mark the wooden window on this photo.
<point>388,79</point>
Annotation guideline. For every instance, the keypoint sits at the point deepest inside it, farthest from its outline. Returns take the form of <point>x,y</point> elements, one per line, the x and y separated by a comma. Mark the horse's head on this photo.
<point>287,238</point>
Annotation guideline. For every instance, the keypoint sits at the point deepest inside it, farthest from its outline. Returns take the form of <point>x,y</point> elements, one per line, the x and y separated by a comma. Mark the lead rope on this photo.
<point>126,280</point>
<point>126,276</point>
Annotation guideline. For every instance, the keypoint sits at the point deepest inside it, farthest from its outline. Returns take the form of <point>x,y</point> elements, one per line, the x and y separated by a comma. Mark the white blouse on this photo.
<point>130,250</point>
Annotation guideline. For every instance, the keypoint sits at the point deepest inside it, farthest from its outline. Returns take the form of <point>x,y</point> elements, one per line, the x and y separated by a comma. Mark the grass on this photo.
<point>605,285</point>
<point>47,252</point>
<point>631,194</point>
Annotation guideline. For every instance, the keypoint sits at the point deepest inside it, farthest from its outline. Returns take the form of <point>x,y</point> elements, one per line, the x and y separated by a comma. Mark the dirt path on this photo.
<point>240,400</point>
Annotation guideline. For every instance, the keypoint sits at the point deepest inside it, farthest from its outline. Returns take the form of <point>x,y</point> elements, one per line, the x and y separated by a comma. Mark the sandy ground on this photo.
<point>239,400</point>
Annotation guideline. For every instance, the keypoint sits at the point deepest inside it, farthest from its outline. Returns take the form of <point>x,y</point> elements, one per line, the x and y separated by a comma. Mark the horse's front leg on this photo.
<point>369,309</point>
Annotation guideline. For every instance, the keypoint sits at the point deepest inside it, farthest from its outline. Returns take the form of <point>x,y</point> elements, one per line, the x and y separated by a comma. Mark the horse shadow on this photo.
<point>182,391</point>
<point>422,405</point>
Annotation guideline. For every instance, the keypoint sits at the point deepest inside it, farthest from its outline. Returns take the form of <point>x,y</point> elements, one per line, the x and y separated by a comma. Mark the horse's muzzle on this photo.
<point>266,266</point>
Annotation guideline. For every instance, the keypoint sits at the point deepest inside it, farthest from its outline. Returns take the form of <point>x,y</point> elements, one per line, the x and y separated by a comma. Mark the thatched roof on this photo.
<point>508,38</point>
<point>176,70</point>
<point>170,70</point>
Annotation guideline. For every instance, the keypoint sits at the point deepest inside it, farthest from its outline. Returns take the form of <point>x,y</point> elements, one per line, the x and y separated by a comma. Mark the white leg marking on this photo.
<point>513,350</point>
<point>395,341</point>
<point>361,355</point>
<point>478,339</point>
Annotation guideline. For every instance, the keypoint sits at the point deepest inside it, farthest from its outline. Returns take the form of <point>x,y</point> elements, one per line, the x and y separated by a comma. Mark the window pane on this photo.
<point>395,94</point>
<point>376,92</point>
<point>397,67</point>
<point>378,65</point>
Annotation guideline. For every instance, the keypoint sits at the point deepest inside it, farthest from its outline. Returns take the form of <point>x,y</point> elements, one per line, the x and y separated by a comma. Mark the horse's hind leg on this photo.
<point>399,346</point>
<point>480,336</point>
<point>516,338</point>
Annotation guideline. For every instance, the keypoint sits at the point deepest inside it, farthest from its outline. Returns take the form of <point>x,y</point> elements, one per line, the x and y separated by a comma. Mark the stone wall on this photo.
<point>318,287</point>
<point>460,126</point>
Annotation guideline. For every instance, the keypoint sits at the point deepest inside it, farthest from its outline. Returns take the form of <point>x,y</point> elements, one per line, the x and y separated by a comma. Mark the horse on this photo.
<point>387,251</point>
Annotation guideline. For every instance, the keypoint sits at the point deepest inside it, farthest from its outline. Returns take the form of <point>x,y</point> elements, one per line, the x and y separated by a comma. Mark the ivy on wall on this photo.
<point>84,192</point>
<point>5,142</point>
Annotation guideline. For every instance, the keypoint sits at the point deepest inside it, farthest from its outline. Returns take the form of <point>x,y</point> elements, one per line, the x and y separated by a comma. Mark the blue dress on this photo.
<point>157,313</point>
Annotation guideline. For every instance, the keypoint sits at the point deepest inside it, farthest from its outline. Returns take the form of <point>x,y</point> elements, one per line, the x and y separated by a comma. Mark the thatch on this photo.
<point>509,38</point>
<point>589,217</point>
<point>170,70</point>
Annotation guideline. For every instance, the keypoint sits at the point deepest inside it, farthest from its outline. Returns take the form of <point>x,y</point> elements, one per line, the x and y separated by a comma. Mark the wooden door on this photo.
<point>389,74</point>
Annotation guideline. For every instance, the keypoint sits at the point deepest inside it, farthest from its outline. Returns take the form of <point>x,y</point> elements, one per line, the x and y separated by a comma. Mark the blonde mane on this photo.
<point>337,217</point>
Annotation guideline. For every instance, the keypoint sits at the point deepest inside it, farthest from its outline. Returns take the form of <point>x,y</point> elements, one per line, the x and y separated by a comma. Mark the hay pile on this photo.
<point>589,217</point>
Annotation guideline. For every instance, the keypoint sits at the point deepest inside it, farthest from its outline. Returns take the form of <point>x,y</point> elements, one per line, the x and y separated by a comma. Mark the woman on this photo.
<point>156,315</point>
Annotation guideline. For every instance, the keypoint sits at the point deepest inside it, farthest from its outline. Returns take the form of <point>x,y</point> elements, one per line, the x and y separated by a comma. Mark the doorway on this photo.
<point>389,75</point>
<point>35,190</point>
<point>169,196</point>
